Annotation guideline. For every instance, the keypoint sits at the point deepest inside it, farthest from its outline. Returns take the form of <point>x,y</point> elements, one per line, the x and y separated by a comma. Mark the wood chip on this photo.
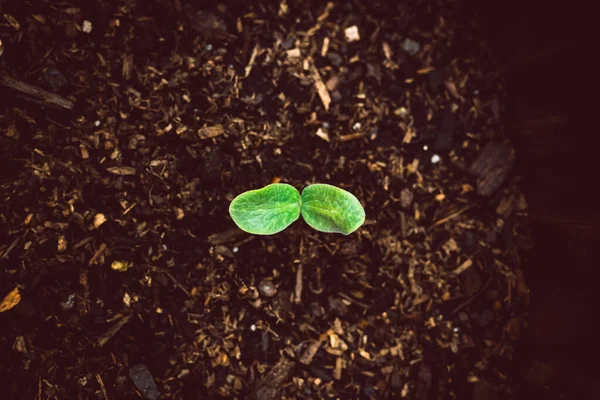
<point>492,167</point>
<point>269,387</point>
<point>312,349</point>
<point>35,93</point>
<point>351,136</point>
<point>227,236</point>
<point>210,131</point>
<point>337,371</point>
<point>113,330</point>
<point>99,219</point>
<point>463,267</point>
<point>122,170</point>
<point>97,254</point>
<point>294,53</point>
<point>387,51</point>
<point>62,243</point>
<point>248,68</point>
<point>424,71</point>
<point>298,287</point>
<point>325,47</point>
<point>10,300</point>
<point>321,88</point>
<point>409,135</point>
<point>322,134</point>
<point>452,89</point>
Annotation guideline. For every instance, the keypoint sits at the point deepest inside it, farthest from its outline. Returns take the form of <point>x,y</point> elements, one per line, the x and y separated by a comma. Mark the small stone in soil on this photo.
<point>406,197</point>
<point>54,78</point>
<point>267,288</point>
<point>410,46</point>
<point>335,59</point>
<point>143,380</point>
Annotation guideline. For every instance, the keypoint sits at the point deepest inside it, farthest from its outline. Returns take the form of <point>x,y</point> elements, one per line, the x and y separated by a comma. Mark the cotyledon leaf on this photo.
<point>327,208</point>
<point>266,211</point>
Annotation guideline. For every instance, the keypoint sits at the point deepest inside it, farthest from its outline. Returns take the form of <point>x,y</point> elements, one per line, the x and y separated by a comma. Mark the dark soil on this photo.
<point>122,274</point>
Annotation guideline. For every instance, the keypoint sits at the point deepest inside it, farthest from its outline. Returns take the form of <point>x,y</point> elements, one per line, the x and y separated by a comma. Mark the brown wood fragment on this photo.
<point>321,88</point>
<point>113,330</point>
<point>463,267</point>
<point>248,68</point>
<point>210,131</point>
<point>492,167</point>
<point>35,93</point>
<point>102,387</point>
<point>227,236</point>
<point>97,254</point>
<point>298,288</point>
<point>337,371</point>
<point>351,136</point>
<point>179,285</point>
<point>322,134</point>
<point>122,170</point>
<point>312,349</point>
<point>424,71</point>
<point>451,216</point>
<point>10,300</point>
<point>270,386</point>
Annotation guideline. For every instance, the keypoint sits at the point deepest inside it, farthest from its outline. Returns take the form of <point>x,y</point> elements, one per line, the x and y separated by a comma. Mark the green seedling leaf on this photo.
<point>266,211</point>
<point>327,208</point>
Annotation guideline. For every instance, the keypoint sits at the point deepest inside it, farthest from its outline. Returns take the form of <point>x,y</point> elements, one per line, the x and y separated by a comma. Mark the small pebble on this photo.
<point>410,46</point>
<point>352,34</point>
<point>235,249</point>
<point>425,147</point>
<point>97,123</point>
<point>68,303</point>
<point>267,288</point>
<point>435,159</point>
<point>356,126</point>
<point>209,47</point>
<point>406,197</point>
<point>87,26</point>
<point>143,380</point>
<point>253,328</point>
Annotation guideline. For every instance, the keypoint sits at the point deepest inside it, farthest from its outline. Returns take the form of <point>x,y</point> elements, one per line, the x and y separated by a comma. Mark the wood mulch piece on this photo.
<point>127,127</point>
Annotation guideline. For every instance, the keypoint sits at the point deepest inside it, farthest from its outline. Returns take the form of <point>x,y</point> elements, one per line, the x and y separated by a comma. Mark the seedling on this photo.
<point>273,208</point>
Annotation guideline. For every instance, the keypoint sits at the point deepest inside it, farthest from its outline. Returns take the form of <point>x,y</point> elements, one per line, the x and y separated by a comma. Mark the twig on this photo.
<point>102,387</point>
<point>98,253</point>
<point>176,282</point>
<point>451,216</point>
<point>113,330</point>
<point>37,95</point>
<point>298,288</point>
<point>312,349</point>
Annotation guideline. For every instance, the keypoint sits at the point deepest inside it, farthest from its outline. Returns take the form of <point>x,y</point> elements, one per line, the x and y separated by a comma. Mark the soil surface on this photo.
<point>127,127</point>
